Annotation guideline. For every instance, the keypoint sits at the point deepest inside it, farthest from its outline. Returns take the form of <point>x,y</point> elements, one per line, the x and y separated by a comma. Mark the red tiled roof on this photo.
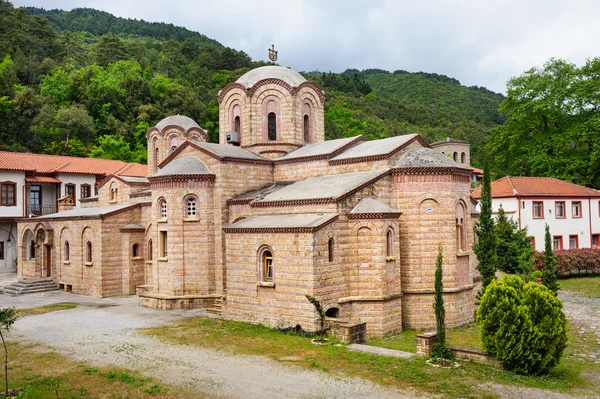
<point>62,164</point>
<point>42,179</point>
<point>536,187</point>
<point>477,171</point>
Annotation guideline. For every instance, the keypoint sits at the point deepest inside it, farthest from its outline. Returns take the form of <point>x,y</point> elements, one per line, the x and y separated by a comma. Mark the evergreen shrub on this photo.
<point>522,325</point>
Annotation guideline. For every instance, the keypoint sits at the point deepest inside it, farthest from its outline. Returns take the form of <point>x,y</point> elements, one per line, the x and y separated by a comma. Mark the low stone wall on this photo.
<point>164,302</point>
<point>425,342</point>
<point>352,333</point>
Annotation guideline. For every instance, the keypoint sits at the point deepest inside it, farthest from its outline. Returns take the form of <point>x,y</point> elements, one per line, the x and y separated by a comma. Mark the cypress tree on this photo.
<point>549,274</point>
<point>485,248</point>
<point>440,349</point>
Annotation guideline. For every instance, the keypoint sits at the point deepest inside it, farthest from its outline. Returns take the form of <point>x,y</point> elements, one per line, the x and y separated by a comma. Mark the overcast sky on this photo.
<point>479,42</point>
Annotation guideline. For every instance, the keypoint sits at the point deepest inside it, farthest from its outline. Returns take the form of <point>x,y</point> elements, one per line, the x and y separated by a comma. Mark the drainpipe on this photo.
<point>590,218</point>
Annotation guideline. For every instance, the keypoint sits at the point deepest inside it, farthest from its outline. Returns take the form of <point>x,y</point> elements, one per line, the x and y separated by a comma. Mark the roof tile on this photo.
<point>536,187</point>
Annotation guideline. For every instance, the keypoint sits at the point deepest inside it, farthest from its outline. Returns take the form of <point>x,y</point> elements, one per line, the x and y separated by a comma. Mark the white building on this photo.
<point>571,211</point>
<point>30,185</point>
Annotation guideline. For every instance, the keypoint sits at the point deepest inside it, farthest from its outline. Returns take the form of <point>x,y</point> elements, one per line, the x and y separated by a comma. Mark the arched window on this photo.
<point>332,312</point>
<point>156,158</point>
<point>88,252</point>
<point>455,157</point>
<point>272,126</point>
<point>173,143</point>
<point>461,239</point>
<point>67,251</point>
<point>162,206</point>
<point>190,204</point>
<point>236,124</point>
<point>265,256</point>
<point>149,255</point>
<point>389,240</point>
<point>306,128</point>
<point>135,250</point>
<point>330,249</point>
<point>462,157</point>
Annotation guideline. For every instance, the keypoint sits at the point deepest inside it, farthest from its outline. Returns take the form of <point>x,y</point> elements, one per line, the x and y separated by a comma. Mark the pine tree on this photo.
<point>513,247</point>
<point>549,274</point>
<point>440,349</point>
<point>485,247</point>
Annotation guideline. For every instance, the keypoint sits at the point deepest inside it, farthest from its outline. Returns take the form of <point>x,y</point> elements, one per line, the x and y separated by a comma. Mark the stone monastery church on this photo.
<point>248,226</point>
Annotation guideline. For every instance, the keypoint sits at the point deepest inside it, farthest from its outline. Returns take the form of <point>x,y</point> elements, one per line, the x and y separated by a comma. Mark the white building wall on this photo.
<point>8,237</point>
<point>78,180</point>
<point>523,212</point>
<point>19,178</point>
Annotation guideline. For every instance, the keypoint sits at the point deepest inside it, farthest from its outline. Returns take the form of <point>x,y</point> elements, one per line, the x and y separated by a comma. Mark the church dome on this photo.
<point>177,120</point>
<point>254,76</point>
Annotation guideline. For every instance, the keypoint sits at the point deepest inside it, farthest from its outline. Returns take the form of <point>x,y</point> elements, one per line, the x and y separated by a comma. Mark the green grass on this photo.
<point>46,309</point>
<point>585,286</point>
<point>44,374</point>
<point>465,382</point>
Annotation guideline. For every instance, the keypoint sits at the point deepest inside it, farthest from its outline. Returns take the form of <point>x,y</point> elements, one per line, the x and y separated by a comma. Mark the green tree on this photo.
<point>513,247</point>
<point>440,349</point>
<point>8,316</point>
<point>522,325</point>
<point>57,86</point>
<point>75,122</point>
<point>8,77</point>
<point>553,119</point>
<point>549,274</point>
<point>485,247</point>
<point>110,49</point>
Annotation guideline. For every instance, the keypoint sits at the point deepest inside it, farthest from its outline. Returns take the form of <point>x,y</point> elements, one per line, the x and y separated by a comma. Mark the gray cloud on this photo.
<point>479,42</point>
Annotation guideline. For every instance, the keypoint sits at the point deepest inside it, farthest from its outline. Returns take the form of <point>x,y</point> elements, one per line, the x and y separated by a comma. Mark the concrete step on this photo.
<point>30,286</point>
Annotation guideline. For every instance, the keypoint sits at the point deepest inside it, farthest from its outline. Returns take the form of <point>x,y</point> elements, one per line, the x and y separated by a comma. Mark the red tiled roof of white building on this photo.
<point>536,187</point>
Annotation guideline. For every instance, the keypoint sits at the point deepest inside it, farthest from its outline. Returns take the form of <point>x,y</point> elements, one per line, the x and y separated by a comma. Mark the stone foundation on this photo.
<point>165,302</point>
<point>352,333</point>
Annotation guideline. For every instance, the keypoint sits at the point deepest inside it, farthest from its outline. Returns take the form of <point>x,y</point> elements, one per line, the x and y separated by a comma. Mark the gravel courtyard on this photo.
<point>104,332</point>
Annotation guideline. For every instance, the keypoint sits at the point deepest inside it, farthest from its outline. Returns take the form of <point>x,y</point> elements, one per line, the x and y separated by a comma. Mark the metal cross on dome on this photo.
<point>272,53</point>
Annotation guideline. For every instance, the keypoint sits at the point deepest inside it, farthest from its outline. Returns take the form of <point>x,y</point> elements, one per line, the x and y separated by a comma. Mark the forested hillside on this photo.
<point>87,83</point>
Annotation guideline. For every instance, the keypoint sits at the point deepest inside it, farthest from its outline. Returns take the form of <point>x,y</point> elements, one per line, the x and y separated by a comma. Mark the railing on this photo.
<point>40,210</point>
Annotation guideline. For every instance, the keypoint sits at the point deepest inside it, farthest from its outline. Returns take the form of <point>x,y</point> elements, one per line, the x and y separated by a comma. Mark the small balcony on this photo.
<point>40,210</point>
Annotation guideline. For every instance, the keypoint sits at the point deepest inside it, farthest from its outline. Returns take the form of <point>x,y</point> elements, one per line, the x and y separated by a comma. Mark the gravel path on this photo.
<point>103,332</point>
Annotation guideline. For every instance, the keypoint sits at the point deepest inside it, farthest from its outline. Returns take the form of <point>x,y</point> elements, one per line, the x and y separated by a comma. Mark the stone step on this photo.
<point>30,286</point>
<point>33,285</point>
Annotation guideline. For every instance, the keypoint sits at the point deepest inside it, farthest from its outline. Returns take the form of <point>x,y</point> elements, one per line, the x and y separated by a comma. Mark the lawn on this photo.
<point>464,382</point>
<point>46,374</point>
<point>585,286</point>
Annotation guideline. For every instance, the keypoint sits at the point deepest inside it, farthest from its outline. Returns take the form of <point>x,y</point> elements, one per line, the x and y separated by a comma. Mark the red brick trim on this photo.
<point>186,133</point>
<point>107,178</point>
<point>431,171</point>
<point>277,230</point>
<point>188,143</point>
<point>271,143</point>
<point>313,86</point>
<point>228,88</point>
<point>166,182</point>
<point>273,152</point>
<point>358,139</point>
<point>122,230</point>
<point>380,215</point>
<point>379,157</point>
<point>268,81</point>
<point>312,201</point>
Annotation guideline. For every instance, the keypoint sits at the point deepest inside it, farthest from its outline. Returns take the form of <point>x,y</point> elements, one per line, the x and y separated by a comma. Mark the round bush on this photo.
<point>522,325</point>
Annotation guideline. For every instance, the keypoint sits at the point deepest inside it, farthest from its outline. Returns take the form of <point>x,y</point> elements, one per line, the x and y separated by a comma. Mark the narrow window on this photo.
<point>156,159</point>
<point>70,190</point>
<point>266,265</point>
<point>135,250</point>
<point>559,211</point>
<point>462,157</point>
<point>330,249</point>
<point>191,206</point>
<point>306,128</point>
<point>236,124</point>
<point>67,251</point>
<point>1,250</point>
<point>163,208</point>
<point>85,191</point>
<point>9,194</point>
<point>538,210</point>
<point>595,240</point>
<point>459,235</point>
<point>573,242</point>
<point>163,244</point>
<point>389,240</point>
<point>455,157</point>
<point>88,252</point>
<point>149,257</point>
<point>35,200</point>
<point>576,206</point>
<point>272,126</point>
<point>557,243</point>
